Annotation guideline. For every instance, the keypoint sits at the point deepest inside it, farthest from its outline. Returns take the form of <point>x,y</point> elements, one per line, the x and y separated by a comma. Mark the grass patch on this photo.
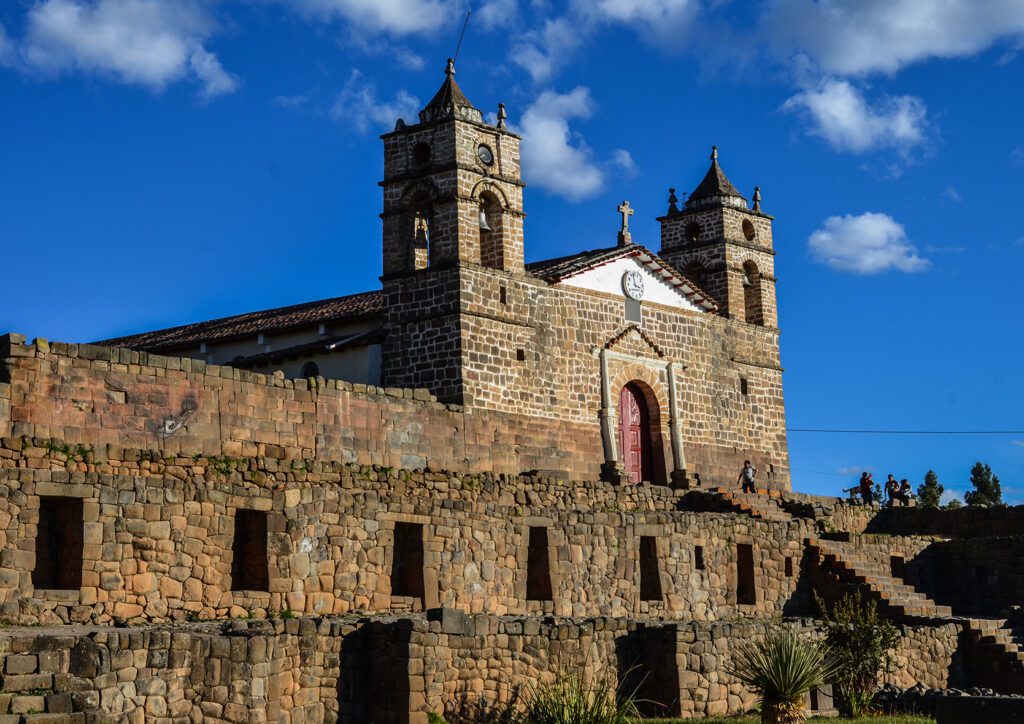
<point>757,720</point>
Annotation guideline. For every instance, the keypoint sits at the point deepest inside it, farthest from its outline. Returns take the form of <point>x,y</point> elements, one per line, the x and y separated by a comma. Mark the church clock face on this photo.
<point>633,284</point>
<point>485,154</point>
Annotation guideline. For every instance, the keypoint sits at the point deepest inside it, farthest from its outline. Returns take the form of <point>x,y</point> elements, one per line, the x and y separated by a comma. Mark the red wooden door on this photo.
<point>635,434</point>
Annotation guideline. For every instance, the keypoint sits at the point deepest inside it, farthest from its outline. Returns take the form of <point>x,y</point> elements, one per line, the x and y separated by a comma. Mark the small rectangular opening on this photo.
<point>650,576</point>
<point>746,592</point>
<point>521,355</point>
<point>538,569</point>
<point>59,541</point>
<point>789,566</point>
<point>897,566</point>
<point>744,390</point>
<point>502,294</point>
<point>250,569</point>
<point>407,565</point>
<point>698,558</point>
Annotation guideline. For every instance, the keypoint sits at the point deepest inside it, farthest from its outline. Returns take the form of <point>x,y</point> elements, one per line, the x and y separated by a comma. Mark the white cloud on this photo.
<point>543,51</point>
<point>216,81</point>
<point>1017,156</point>
<point>855,37</point>
<point>359,106</point>
<point>151,43</point>
<point>552,158</point>
<point>394,17</point>
<point>1018,443</point>
<point>838,112</point>
<point>866,244</point>
<point>6,48</point>
<point>952,194</point>
<point>622,161</point>
<point>661,20</point>
<point>497,13</point>
<point>296,101</point>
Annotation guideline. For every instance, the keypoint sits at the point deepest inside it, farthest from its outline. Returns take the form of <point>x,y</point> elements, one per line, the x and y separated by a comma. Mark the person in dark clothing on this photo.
<point>747,477</point>
<point>892,488</point>
<point>903,493</point>
<point>867,485</point>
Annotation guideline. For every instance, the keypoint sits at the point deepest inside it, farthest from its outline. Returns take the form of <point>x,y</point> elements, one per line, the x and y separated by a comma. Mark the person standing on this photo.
<point>867,488</point>
<point>891,489</point>
<point>747,477</point>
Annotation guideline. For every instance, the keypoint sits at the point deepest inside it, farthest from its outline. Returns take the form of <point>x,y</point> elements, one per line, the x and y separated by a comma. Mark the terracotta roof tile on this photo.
<point>354,306</point>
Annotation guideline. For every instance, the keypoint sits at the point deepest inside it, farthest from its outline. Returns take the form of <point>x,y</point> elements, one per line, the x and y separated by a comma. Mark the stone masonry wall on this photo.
<point>159,533</point>
<point>98,396</point>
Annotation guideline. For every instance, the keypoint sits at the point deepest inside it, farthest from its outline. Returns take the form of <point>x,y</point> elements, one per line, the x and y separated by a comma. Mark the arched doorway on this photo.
<point>635,434</point>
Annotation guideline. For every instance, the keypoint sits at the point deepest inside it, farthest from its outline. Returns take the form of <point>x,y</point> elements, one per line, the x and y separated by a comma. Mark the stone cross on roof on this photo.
<point>624,236</point>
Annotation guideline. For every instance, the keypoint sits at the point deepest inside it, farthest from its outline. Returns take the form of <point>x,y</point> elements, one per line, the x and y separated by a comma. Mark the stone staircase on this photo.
<point>998,660</point>
<point>762,504</point>
<point>894,597</point>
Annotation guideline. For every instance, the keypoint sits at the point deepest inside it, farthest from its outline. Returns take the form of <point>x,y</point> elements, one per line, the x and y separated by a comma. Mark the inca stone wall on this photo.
<point>159,537</point>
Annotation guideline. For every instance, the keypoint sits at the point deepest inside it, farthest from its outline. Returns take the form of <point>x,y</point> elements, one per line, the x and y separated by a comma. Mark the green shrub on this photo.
<point>570,700</point>
<point>861,640</point>
<point>781,669</point>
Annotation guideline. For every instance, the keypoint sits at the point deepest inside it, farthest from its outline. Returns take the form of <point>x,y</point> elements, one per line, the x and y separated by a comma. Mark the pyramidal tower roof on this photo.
<point>715,188</point>
<point>450,101</point>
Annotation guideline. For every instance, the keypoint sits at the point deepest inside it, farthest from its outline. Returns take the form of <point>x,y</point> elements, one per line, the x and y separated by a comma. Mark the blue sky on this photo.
<point>164,161</point>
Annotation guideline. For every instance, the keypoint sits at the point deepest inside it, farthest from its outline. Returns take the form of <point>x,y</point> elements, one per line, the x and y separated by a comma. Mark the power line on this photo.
<point>462,35</point>
<point>906,432</point>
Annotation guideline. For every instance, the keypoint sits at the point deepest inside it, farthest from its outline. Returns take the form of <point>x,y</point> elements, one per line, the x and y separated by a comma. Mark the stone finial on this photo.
<point>624,236</point>
<point>502,115</point>
<point>450,68</point>
<point>757,198</point>
<point>673,202</point>
<point>714,153</point>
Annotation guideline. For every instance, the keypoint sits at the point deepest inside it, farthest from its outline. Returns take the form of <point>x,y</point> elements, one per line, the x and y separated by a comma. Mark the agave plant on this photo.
<point>781,669</point>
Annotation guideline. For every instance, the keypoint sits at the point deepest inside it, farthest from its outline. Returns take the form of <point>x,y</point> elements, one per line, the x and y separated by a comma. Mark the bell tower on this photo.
<point>453,215</point>
<point>452,189</point>
<point>724,246</point>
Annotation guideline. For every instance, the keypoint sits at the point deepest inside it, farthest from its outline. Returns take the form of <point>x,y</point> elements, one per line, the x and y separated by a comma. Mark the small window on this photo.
<point>59,540</point>
<point>746,591</point>
<point>744,389</point>
<point>502,294</point>
<point>749,232</point>
<point>249,565</point>
<point>698,558</point>
<point>407,564</point>
<point>521,355</point>
<point>897,566</point>
<point>421,154</point>
<point>650,576</point>
<point>538,567</point>
<point>692,231</point>
<point>789,567</point>
<point>310,369</point>
<point>633,313</point>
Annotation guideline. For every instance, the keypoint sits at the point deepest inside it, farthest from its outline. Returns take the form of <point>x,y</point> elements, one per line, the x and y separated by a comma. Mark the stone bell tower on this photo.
<point>453,207</point>
<point>724,246</point>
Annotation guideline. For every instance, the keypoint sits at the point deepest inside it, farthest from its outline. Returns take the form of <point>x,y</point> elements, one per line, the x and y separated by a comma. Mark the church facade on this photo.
<point>656,366</point>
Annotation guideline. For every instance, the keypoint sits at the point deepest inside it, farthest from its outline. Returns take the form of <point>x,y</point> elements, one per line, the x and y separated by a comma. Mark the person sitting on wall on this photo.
<point>892,489</point>
<point>867,493</point>
<point>903,493</point>
<point>747,477</point>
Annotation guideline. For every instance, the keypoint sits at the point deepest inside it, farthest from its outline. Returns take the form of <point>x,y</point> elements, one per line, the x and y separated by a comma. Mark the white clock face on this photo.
<point>633,284</point>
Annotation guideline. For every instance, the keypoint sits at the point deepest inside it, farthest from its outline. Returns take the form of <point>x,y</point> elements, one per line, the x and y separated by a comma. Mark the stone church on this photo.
<point>663,365</point>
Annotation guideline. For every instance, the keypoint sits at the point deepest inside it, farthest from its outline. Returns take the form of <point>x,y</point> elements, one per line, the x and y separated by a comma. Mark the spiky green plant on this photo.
<point>781,669</point>
<point>570,700</point>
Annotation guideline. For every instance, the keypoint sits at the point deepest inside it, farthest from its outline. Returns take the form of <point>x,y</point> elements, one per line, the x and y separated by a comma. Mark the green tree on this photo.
<point>987,491</point>
<point>860,639</point>
<point>954,504</point>
<point>929,494</point>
